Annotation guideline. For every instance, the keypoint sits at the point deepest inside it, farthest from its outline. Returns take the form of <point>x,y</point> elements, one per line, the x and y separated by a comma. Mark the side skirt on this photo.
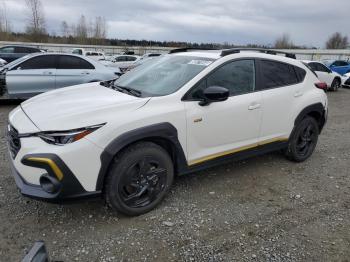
<point>260,150</point>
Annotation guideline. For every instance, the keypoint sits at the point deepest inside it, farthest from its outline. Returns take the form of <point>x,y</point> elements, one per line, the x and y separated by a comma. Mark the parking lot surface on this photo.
<point>261,209</point>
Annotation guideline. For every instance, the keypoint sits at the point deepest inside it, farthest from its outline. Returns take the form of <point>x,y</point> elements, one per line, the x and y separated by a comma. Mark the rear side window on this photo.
<point>301,73</point>
<point>275,74</point>
<point>72,62</point>
<point>340,63</point>
<point>39,62</point>
<point>25,50</point>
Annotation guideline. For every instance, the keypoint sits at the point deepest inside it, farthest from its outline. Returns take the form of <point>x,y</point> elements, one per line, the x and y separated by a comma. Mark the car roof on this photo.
<point>217,54</point>
<point>95,63</point>
<point>311,61</point>
<point>25,46</point>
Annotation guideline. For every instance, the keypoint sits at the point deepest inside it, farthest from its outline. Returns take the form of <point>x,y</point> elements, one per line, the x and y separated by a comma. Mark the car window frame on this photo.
<point>77,57</point>
<point>4,47</point>
<point>35,57</point>
<point>260,85</point>
<point>187,96</point>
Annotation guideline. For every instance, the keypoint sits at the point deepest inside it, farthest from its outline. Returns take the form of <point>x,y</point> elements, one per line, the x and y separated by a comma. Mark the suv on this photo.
<point>178,113</point>
<point>11,53</point>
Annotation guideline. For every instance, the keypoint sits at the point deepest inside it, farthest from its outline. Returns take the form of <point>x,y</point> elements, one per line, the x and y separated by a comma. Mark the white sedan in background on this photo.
<point>124,61</point>
<point>332,79</point>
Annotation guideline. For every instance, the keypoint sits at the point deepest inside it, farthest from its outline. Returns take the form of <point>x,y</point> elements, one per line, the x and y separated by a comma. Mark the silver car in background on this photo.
<point>41,72</point>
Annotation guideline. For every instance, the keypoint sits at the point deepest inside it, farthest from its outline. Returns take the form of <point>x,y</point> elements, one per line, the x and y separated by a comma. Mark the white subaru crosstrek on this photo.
<point>178,113</point>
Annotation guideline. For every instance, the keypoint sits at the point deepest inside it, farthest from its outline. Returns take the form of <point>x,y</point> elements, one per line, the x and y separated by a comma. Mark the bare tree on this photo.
<point>64,29</point>
<point>284,42</point>
<point>5,26</point>
<point>337,41</point>
<point>81,30</point>
<point>100,28</point>
<point>36,27</point>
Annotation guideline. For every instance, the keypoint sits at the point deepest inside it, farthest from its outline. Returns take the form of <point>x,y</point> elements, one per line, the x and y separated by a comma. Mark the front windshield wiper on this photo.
<point>128,90</point>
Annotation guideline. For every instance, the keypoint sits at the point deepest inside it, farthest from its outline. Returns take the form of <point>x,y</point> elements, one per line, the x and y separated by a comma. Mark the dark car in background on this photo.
<point>10,53</point>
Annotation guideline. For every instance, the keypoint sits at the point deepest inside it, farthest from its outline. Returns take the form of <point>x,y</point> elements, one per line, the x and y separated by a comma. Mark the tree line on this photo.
<point>94,32</point>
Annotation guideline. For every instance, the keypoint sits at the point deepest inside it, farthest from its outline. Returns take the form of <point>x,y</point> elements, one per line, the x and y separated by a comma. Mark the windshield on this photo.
<point>163,75</point>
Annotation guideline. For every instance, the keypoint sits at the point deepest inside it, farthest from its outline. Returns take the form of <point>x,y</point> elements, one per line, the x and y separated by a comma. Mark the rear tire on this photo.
<point>139,179</point>
<point>303,140</point>
<point>335,84</point>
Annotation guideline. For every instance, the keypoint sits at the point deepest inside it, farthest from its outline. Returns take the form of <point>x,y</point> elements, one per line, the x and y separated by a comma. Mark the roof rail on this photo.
<point>186,49</point>
<point>261,50</point>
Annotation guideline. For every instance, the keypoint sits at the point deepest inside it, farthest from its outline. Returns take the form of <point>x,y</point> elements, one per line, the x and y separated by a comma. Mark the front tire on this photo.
<point>303,140</point>
<point>139,179</point>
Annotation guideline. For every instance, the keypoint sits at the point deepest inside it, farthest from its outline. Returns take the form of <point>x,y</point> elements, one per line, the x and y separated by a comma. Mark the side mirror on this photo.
<point>214,94</point>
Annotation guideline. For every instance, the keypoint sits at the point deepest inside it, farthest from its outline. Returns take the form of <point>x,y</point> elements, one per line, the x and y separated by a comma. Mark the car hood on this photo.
<point>78,106</point>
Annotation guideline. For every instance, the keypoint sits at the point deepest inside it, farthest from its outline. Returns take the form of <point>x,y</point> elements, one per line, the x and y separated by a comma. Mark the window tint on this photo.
<point>323,68</point>
<point>238,77</point>
<point>130,58</point>
<point>9,49</point>
<point>313,66</point>
<point>276,74</point>
<point>72,62</point>
<point>25,50</point>
<point>39,62</point>
<point>340,63</point>
<point>120,59</point>
<point>301,73</point>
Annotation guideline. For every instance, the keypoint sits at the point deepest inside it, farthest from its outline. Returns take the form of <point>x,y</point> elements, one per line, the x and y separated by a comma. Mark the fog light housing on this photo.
<point>49,184</point>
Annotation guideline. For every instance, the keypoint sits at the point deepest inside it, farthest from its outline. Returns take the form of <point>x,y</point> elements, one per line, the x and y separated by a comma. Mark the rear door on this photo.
<point>280,88</point>
<point>73,70</point>
<point>33,76</point>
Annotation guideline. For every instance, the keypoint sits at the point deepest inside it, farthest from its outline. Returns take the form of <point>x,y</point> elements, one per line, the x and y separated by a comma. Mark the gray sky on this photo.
<point>308,22</point>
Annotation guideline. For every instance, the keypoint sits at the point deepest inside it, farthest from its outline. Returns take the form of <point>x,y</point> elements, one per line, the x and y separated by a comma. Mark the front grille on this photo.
<point>347,82</point>
<point>14,141</point>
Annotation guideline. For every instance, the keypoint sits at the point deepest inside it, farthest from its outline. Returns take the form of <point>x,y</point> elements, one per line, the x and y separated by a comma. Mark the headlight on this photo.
<point>67,137</point>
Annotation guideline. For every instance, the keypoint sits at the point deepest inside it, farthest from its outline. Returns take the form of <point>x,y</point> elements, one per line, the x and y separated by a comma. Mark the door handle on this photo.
<point>85,73</point>
<point>254,106</point>
<point>47,73</point>
<point>298,94</point>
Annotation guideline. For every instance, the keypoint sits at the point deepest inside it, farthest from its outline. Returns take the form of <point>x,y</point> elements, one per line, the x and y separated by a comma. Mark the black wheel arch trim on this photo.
<point>314,108</point>
<point>158,133</point>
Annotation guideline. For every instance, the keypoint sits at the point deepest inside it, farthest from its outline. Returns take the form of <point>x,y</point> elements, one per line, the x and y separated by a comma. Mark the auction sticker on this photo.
<point>200,62</point>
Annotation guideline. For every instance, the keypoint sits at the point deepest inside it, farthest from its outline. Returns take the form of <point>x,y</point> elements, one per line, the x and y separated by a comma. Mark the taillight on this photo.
<point>321,85</point>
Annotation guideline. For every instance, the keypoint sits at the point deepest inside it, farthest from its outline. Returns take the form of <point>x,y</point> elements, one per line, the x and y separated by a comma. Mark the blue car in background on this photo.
<point>340,66</point>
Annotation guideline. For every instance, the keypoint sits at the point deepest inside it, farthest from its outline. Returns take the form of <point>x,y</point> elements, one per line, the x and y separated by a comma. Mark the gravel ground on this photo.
<point>262,209</point>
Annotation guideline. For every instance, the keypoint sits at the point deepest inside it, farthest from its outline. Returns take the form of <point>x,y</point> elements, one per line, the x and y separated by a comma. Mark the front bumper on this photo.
<point>71,170</point>
<point>68,188</point>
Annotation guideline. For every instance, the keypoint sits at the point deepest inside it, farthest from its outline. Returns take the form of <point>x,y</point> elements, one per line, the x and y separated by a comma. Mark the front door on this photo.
<point>34,76</point>
<point>223,128</point>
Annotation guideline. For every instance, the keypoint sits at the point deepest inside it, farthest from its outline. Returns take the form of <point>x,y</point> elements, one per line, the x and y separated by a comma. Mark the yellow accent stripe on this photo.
<point>233,151</point>
<point>49,162</point>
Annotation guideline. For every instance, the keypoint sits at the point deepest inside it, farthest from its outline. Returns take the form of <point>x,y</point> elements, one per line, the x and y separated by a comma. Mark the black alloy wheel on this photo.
<point>139,178</point>
<point>303,140</point>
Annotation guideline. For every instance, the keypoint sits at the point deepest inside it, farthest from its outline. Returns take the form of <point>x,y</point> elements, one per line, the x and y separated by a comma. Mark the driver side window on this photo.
<point>237,76</point>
